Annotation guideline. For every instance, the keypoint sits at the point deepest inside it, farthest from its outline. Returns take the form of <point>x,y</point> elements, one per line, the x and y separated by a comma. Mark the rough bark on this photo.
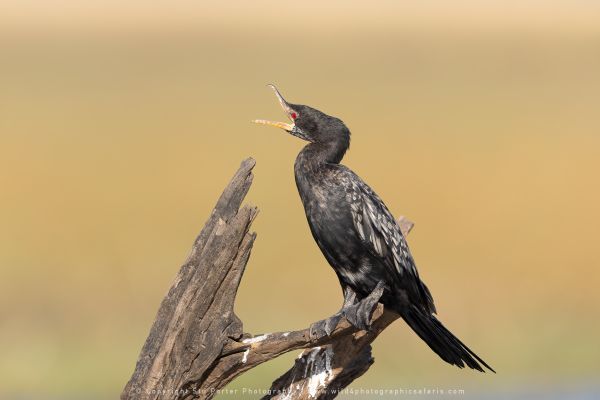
<point>196,345</point>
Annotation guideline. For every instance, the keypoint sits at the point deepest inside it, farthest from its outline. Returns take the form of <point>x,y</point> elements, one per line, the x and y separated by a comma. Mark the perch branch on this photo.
<point>196,345</point>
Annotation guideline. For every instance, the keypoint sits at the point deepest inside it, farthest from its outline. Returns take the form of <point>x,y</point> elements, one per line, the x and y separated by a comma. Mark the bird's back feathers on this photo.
<point>381,236</point>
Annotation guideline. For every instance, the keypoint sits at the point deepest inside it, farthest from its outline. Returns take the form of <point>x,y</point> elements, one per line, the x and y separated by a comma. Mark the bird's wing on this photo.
<point>382,237</point>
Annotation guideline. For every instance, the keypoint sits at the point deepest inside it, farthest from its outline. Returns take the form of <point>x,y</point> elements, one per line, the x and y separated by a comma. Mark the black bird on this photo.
<point>359,237</point>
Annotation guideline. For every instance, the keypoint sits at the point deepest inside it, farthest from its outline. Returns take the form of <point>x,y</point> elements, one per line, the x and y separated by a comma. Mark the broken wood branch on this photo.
<point>197,346</point>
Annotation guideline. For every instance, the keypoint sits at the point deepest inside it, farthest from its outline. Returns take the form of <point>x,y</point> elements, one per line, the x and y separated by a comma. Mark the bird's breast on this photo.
<point>328,212</point>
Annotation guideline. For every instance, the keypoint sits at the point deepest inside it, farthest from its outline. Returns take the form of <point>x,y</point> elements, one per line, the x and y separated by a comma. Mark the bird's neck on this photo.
<point>331,152</point>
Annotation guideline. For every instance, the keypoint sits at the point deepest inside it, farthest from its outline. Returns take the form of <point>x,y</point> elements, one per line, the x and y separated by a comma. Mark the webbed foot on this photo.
<point>326,326</point>
<point>360,313</point>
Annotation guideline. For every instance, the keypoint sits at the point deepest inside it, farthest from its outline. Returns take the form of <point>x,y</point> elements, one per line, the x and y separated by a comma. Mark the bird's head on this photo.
<point>309,124</point>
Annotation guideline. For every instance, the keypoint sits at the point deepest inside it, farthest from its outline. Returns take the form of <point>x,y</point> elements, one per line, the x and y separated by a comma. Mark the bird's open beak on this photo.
<point>282,125</point>
<point>286,108</point>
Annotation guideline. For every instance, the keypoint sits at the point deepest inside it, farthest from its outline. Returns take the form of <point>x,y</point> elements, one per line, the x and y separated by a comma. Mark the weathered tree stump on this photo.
<point>197,345</point>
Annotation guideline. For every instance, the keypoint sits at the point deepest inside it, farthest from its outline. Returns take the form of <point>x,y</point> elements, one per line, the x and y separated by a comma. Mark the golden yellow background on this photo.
<point>121,122</point>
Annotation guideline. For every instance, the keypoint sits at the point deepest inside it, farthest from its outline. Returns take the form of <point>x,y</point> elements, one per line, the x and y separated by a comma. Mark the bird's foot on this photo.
<point>360,313</point>
<point>325,327</point>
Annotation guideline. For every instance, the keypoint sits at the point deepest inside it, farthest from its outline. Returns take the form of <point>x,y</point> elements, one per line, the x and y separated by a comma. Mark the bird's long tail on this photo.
<point>442,341</point>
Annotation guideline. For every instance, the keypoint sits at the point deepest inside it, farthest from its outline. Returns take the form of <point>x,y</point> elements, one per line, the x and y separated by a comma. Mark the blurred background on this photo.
<point>122,121</point>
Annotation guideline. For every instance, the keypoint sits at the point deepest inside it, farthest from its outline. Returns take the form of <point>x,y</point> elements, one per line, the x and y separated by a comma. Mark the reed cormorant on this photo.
<point>359,237</point>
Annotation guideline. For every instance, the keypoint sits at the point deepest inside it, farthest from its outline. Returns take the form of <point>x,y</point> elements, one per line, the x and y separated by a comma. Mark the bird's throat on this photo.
<point>324,152</point>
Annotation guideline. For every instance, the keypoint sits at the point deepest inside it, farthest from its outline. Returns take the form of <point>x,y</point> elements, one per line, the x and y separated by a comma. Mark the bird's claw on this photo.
<point>360,314</point>
<point>325,327</point>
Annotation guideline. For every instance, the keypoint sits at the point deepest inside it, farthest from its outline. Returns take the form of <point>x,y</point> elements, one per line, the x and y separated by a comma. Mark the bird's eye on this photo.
<point>294,115</point>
